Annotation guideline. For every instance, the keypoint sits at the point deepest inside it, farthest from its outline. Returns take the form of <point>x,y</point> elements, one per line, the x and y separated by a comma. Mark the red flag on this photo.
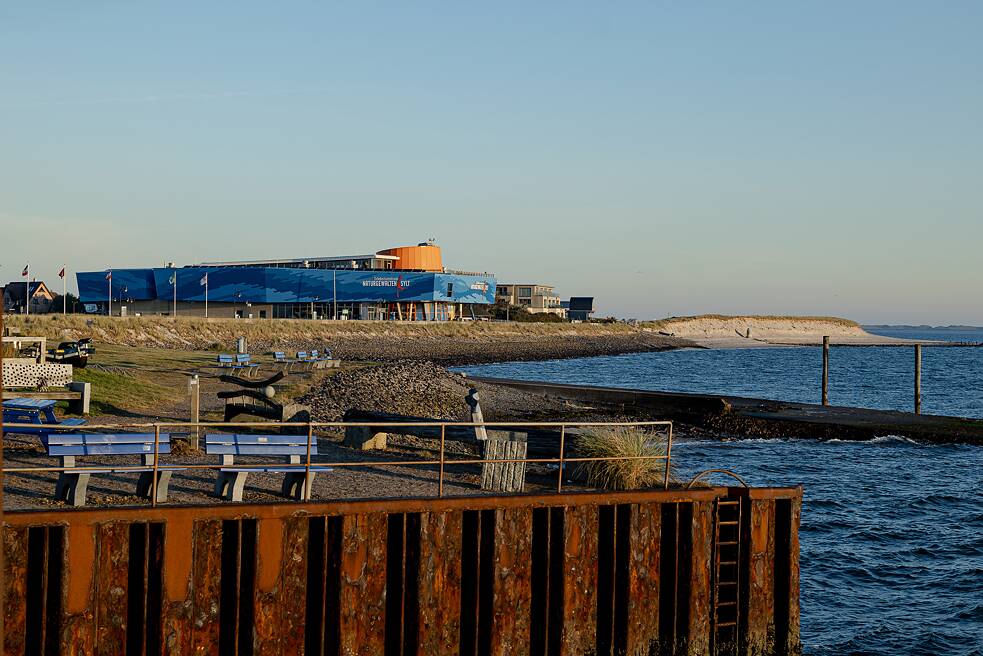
<point>24,272</point>
<point>109,276</point>
<point>61,274</point>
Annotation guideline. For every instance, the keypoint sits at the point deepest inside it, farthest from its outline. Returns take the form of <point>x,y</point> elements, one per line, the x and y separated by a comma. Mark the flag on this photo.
<point>61,274</point>
<point>171,279</point>
<point>204,280</point>
<point>24,272</point>
<point>109,275</point>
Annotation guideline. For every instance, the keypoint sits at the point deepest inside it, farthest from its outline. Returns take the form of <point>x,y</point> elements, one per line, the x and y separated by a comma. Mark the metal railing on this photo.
<point>441,462</point>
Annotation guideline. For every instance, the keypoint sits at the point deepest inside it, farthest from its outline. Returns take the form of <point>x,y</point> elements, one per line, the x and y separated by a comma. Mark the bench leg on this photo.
<point>294,485</point>
<point>222,483</point>
<point>229,485</point>
<point>147,479</point>
<point>72,488</point>
<point>236,488</point>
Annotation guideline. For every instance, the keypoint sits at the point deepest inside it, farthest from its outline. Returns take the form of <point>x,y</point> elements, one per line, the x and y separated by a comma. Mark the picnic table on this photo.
<point>40,413</point>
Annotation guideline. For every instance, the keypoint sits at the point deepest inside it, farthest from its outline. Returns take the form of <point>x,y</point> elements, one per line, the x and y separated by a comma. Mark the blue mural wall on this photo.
<point>280,285</point>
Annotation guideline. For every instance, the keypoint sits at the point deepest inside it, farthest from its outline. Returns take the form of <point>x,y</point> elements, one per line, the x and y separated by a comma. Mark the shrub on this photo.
<point>621,442</point>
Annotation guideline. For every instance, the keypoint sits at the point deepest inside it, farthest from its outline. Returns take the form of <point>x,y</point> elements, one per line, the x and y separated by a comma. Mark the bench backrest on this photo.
<point>301,355</point>
<point>315,353</point>
<point>222,444</point>
<point>106,444</point>
<point>224,359</point>
<point>279,355</point>
<point>242,358</point>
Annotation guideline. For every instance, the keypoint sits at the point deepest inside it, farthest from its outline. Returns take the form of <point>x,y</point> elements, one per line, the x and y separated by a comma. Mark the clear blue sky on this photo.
<point>678,158</point>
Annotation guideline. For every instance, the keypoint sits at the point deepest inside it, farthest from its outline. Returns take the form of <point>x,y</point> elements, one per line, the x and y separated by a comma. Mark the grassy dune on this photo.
<point>197,333</point>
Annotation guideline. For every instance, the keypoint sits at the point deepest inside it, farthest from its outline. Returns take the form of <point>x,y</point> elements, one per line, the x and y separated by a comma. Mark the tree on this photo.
<point>73,306</point>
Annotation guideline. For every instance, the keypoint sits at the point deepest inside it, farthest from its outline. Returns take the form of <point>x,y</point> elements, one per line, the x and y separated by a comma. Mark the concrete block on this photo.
<point>365,438</point>
<point>80,406</point>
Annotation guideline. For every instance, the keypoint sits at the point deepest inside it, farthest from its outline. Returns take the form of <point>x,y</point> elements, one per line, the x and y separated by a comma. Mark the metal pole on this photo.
<point>440,477</point>
<point>306,496</point>
<point>64,291</point>
<point>110,293</point>
<point>559,475</point>
<point>206,295</point>
<point>826,370</point>
<point>27,291</point>
<point>918,379</point>
<point>174,285</point>
<point>195,410</point>
<point>668,457</point>
<point>153,486</point>
<point>334,288</point>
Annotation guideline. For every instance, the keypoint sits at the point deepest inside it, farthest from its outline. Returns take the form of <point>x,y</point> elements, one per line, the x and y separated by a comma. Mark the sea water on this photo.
<point>892,530</point>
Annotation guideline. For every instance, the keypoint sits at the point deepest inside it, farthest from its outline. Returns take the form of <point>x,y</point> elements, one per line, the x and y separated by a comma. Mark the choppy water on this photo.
<point>892,531</point>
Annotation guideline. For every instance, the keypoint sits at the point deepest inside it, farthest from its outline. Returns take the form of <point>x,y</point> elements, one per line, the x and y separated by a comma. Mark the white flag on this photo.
<point>204,280</point>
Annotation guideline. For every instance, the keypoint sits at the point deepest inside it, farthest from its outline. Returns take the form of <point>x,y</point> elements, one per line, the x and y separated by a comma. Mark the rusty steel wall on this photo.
<point>572,574</point>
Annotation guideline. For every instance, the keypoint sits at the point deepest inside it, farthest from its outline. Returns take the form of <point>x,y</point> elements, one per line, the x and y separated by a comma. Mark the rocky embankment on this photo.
<point>422,389</point>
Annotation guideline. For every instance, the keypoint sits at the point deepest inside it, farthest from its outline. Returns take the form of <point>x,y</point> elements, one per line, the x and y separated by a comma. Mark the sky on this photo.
<point>666,158</point>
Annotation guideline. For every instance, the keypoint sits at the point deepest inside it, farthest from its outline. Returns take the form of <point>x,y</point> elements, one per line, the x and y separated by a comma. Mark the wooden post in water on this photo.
<point>826,370</point>
<point>918,379</point>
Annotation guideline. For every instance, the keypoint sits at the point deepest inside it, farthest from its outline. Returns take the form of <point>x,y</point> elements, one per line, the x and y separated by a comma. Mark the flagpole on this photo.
<point>27,290</point>
<point>206,295</point>
<point>64,290</point>
<point>174,284</point>
<point>334,291</point>
<point>110,292</point>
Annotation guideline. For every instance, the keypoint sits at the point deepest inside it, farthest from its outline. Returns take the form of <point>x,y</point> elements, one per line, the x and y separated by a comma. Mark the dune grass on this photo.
<point>622,442</point>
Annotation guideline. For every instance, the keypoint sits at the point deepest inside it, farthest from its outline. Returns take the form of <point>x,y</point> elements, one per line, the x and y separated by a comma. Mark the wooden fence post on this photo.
<point>918,379</point>
<point>826,370</point>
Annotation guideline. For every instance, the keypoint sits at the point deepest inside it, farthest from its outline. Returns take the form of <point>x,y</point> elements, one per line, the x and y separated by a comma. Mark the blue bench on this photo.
<point>239,363</point>
<point>280,358</point>
<point>231,480</point>
<point>40,413</point>
<point>72,485</point>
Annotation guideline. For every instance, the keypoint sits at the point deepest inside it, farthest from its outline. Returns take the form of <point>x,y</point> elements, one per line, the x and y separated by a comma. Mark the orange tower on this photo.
<point>422,257</point>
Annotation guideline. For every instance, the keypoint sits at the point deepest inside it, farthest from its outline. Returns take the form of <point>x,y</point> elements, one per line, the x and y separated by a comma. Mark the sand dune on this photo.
<point>719,331</point>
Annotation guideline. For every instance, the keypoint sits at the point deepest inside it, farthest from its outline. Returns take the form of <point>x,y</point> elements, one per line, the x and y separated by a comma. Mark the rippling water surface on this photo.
<point>892,531</point>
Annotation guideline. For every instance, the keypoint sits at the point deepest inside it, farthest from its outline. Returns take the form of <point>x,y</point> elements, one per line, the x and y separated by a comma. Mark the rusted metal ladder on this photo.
<point>726,576</point>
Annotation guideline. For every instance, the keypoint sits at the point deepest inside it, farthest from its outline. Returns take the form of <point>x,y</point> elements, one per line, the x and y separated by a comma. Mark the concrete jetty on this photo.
<point>761,417</point>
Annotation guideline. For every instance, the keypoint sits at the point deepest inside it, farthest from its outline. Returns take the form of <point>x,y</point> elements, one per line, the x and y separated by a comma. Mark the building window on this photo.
<point>525,292</point>
<point>450,290</point>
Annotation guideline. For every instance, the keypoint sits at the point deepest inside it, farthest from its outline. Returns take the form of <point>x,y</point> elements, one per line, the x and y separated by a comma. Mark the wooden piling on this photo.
<point>918,379</point>
<point>826,370</point>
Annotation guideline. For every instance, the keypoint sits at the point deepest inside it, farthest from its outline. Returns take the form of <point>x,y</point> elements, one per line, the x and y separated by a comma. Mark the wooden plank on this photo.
<point>512,585</point>
<point>111,578</point>
<point>579,580</point>
<point>793,644</point>
<point>363,584</point>
<point>440,583</point>
<point>81,564</point>
<point>15,589</point>
<point>268,596</point>
<point>206,585</point>
<point>700,605</point>
<point>176,611</point>
<point>761,578</point>
<point>645,543</point>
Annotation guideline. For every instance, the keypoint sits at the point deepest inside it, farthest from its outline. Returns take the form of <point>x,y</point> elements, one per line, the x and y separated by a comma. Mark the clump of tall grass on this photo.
<point>622,442</point>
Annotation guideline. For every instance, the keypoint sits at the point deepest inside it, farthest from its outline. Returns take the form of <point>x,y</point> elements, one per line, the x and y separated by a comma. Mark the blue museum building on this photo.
<point>400,284</point>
